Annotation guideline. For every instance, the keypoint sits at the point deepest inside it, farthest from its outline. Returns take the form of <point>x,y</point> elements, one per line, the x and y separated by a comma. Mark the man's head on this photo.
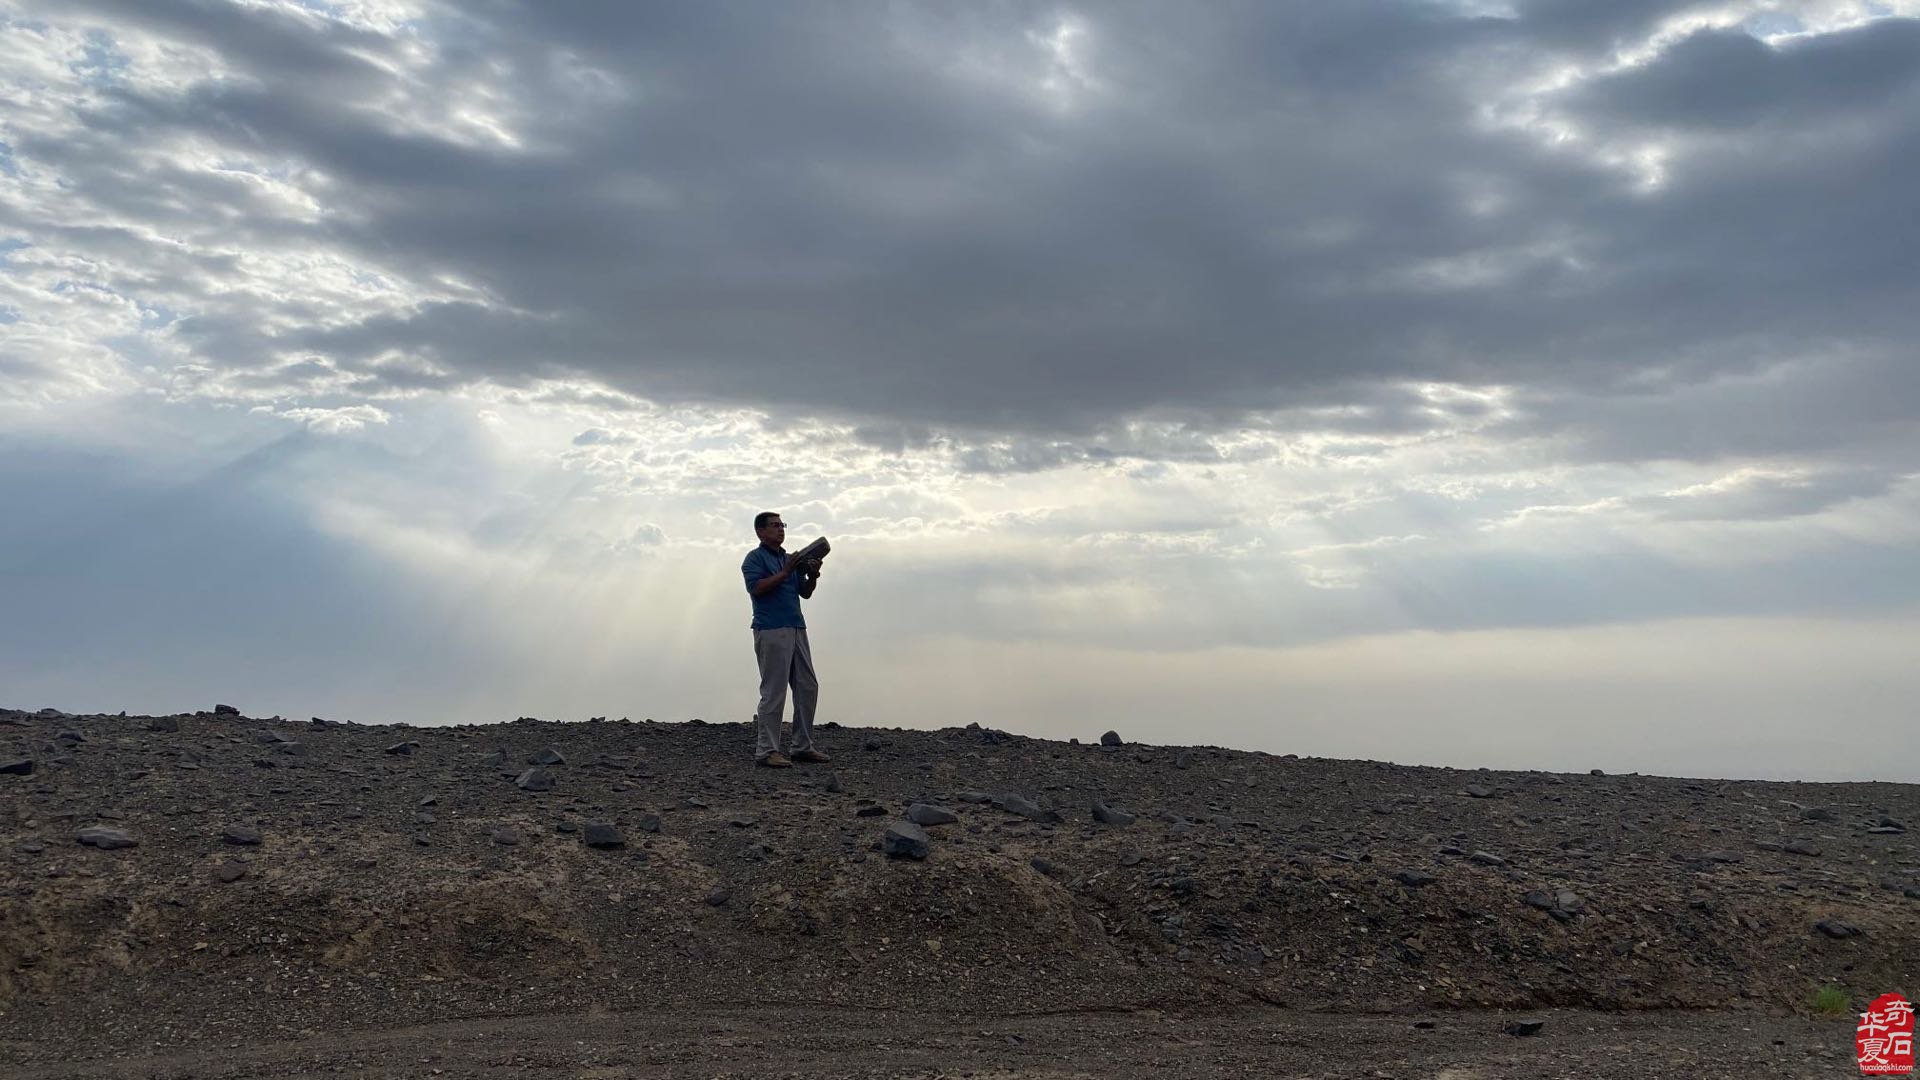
<point>769,528</point>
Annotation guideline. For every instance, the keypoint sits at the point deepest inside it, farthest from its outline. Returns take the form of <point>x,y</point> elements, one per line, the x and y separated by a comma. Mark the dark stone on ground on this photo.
<point>106,839</point>
<point>548,756</point>
<point>535,780</point>
<point>1111,738</point>
<point>904,839</point>
<point>229,872</point>
<point>225,710</point>
<point>245,835</point>
<point>1108,815</point>
<point>22,767</point>
<point>1525,1028</point>
<point>870,811</point>
<point>925,814</point>
<point>1415,879</point>
<point>1836,929</point>
<point>602,834</point>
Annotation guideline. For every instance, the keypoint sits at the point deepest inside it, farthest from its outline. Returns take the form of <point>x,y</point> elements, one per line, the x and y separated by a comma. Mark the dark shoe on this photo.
<point>775,760</point>
<point>812,757</point>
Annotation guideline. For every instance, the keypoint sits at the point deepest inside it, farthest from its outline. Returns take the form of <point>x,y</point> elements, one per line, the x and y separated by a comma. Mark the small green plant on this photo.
<point>1829,1000</point>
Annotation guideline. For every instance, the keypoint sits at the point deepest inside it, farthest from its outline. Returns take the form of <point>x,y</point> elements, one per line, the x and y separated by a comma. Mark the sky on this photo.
<point>1508,385</point>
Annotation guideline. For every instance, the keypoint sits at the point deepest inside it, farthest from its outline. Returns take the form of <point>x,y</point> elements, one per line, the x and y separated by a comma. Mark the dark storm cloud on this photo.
<point>994,220</point>
<point>1728,80</point>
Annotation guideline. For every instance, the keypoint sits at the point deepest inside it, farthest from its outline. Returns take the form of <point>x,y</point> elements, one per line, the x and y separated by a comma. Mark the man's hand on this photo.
<point>810,567</point>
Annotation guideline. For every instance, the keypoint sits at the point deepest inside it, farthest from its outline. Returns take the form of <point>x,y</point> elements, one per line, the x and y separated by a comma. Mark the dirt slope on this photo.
<point>403,875</point>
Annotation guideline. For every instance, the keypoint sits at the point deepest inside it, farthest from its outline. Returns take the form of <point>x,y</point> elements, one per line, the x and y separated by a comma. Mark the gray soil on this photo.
<point>317,899</point>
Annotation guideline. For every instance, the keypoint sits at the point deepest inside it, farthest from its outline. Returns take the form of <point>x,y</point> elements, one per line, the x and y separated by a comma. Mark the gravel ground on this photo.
<point>285,887</point>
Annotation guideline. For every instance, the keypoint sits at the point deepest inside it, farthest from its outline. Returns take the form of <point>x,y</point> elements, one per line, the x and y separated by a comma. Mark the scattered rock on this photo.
<point>871,744</point>
<point>1836,929</point>
<point>870,811</point>
<point>1026,808</point>
<point>833,783</point>
<point>535,780</point>
<point>1415,879</point>
<point>904,839</point>
<point>225,710</point>
<point>925,814</point>
<point>1487,858</point>
<point>1479,791</point>
<point>495,760</point>
<point>602,834</point>
<point>244,835</point>
<point>719,896</point>
<point>505,837</point>
<point>1185,760</point>
<point>104,838</point>
<point>548,756</point>
<point>1596,772</point>
<point>1802,847</point>
<point>1130,858</point>
<point>1107,815</point>
<point>229,872</point>
<point>402,748</point>
<point>1816,813</point>
<point>1563,904</point>
<point>164,724</point>
<point>21,767</point>
<point>1041,866</point>
<point>1525,1028</point>
<point>1111,738</point>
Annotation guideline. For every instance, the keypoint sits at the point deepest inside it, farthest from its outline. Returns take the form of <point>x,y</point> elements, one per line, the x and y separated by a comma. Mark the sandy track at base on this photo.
<point>871,1044</point>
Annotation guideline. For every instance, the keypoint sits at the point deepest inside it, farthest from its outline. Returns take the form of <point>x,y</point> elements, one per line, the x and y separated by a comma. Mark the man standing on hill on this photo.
<point>777,582</point>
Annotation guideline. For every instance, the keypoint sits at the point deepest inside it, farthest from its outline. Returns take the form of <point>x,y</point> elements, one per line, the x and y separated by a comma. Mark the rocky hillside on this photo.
<point>219,873</point>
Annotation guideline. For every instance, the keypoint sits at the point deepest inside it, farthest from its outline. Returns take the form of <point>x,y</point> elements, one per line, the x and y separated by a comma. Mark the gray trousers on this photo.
<point>784,658</point>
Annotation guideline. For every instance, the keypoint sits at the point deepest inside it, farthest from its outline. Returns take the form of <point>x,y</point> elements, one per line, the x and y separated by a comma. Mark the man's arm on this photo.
<point>772,581</point>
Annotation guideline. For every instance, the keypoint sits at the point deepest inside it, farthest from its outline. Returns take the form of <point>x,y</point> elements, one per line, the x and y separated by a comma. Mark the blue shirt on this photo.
<point>781,607</point>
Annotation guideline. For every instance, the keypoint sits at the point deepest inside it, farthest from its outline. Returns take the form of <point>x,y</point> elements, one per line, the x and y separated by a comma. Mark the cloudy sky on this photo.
<point>1522,384</point>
